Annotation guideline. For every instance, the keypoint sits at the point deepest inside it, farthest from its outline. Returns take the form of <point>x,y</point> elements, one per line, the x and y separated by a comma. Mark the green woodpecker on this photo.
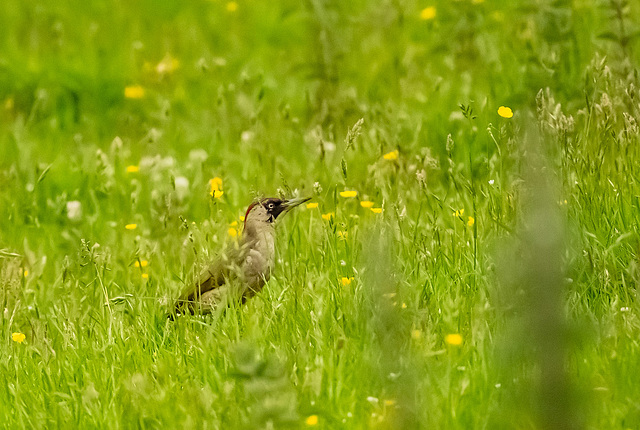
<point>241,272</point>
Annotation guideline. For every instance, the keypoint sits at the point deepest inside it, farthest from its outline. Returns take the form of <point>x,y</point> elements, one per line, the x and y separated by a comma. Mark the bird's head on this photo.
<point>269,209</point>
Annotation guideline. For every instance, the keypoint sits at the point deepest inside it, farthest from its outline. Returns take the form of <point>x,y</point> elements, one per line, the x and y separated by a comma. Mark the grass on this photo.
<point>518,236</point>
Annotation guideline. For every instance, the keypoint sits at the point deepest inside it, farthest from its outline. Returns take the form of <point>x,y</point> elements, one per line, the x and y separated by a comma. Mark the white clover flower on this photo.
<point>182,187</point>
<point>74,210</point>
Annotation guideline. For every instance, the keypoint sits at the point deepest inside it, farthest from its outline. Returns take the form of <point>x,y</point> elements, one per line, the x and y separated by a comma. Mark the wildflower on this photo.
<point>328,216</point>
<point>428,13</point>
<point>134,92</point>
<point>145,276</point>
<point>216,188</point>
<point>346,281</point>
<point>348,193</point>
<point>416,334</point>
<point>131,226</point>
<point>389,402</point>
<point>141,263</point>
<point>233,232</point>
<point>376,210</point>
<point>133,169</point>
<point>167,66</point>
<point>366,204</point>
<point>26,273</point>
<point>453,339</point>
<point>18,337</point>
<point>312,205</point>
<point>505,112</point>
<point>491,181</point>
<point>182,187</point>
<point>458,213</point>
<point>232,6</point>
<point>471,221</point>
<point>393,155</point>
<point>241,218</point>
<point>343,235</point>
<point>233,224</point>
<point>404,306</point>
<point>311,420</point>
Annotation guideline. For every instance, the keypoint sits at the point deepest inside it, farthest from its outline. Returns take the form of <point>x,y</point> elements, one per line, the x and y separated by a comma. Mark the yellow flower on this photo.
<point>328,216</point>
<point>134,92</point>
<point>312,205</point>
<point>26,273</point>
<point>133,169</point>
<point>346,281</point>
<point>505,112</point>
<point>145,276</point>
<point>453,339</point>
<point>141,263</point>
<point>18,337</point>
<point>232,6</point>
<point>216,188</point>
<point>428,13</point>
<point>343,235</point>
<point>348,193</point>
<point>311,420</point>
<point>168,65</point>
<point>404,306</point>
<point>389,402</point>
<point>366,204</point>
<point>458,213</point>
<point>233,232</point>
<point>416,334</point>
<point>233,224</point>
<point>131,226</point>
<point>376,210</point>
<point>241,218</point>
<point>393,155</point>
<point>471,221</point>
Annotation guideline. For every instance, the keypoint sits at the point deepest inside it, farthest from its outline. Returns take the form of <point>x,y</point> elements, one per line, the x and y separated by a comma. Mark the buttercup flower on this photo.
<point>18,337</point>
<point>348,193</point>
<point>376,210</point>
<point>328,216</point>
<point>216,188</point>
<point>453,339</point>
<point>131,226</point>
<point>134,92</point>
<point>428,13</point>
<point>133,169</point>
<point>505,112</point>
<point>345,281</point>
<point>393,155</point>
<point>312,205</point>
<point>366,204</point>
<point>311,420</point>
<point>471,221</point>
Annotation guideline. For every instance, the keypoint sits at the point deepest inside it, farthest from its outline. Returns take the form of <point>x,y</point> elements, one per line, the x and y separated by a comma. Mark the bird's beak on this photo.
<point>292,203</point>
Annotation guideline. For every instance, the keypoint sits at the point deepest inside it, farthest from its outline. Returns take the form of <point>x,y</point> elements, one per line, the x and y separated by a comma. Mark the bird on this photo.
<point>242,271</point>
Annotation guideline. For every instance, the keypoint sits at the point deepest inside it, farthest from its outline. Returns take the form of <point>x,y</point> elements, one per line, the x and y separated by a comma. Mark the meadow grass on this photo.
<point>484,276</point>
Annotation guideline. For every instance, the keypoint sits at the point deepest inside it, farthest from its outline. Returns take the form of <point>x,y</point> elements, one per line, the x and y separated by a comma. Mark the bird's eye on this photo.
<point>270,206</point>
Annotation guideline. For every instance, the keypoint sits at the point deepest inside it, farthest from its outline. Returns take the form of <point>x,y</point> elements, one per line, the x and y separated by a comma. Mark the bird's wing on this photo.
<point>212,277</point>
